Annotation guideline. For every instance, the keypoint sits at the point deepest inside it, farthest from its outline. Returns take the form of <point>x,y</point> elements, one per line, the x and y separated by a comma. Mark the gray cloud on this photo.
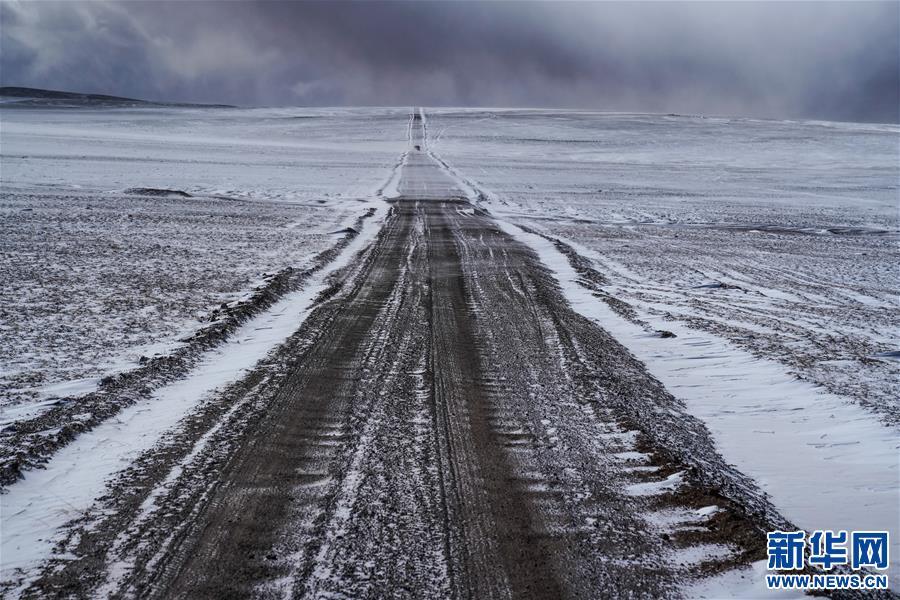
<point>835,60</point>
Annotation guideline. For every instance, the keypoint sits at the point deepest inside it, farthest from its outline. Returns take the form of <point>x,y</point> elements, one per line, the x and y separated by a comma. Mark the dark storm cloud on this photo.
<point>826,60</point>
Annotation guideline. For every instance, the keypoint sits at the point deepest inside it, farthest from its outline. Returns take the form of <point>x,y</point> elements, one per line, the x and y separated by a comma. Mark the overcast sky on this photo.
<point>835,60</point>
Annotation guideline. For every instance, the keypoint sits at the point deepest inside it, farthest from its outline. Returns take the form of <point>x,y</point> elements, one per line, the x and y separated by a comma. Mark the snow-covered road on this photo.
<point>455,403</point>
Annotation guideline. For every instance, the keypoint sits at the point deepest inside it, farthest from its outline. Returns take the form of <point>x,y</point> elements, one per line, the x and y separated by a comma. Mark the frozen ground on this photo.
<point>779,236</point>
<point>105,273</point>
<point>738,258</point>
<point>442,424</point>
<point>293,155</point>
<point>428,410</point>
<point>824,462</point>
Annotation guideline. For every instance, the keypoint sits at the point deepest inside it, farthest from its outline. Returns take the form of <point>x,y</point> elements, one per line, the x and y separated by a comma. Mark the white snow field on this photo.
<point>105,274</point>
<point>780,236</point>
<point>769,248</point>
<point>40,505</point>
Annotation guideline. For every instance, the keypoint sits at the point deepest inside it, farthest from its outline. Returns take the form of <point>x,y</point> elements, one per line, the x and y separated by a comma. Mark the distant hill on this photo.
<point>35,97</point>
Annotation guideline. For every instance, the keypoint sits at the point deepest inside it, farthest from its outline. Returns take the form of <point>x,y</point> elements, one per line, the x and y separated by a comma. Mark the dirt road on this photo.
<point>443,425</point>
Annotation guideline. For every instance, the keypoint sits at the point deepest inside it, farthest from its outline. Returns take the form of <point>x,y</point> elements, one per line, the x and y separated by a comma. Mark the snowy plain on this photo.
<point>826,463</point>
<point>769,250</point>
<point>106,273</point>
<point>38,507</point>
<point>124,229</point>
<point>779,236</point>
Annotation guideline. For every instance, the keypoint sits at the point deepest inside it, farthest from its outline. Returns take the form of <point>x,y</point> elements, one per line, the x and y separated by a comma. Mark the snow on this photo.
<point>708,511</point>
<point>104,276</point>
<point>34,509</point>
<point>799,219</point>
<point>700,553</point>
<point>286,154</point>
<point>788,363</point>
<point>825,463</point>
<point>766,247</point>
<point>652,488</point>
<point>391,188</point>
